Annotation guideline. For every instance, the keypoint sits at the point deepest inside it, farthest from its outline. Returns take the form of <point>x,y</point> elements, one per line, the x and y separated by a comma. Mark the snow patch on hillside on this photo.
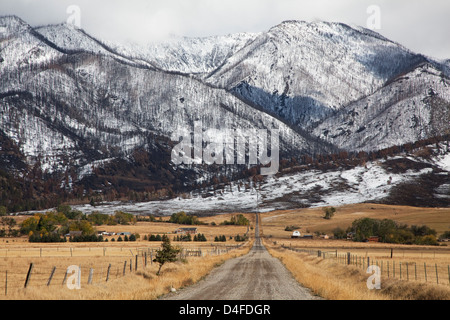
<point>311,188</point>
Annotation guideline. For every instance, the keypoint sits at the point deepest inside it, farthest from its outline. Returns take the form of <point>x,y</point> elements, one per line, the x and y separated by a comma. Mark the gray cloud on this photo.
<point>421,26</point>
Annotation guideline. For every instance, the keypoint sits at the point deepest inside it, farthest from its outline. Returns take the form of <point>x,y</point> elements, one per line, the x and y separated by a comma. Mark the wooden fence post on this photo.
<point>136,263</point>
<point>107,272</point>
<point>124,266</point>
<point>388,268</point>
<point>65,277</point>
<point>6,282</point>
<point>448,271</point>
<point>425,270</point>
<point>437,277</point>
<point>348,258</point>
<point>51,276</point>
<point>30,270</point>
<point>415,270</point>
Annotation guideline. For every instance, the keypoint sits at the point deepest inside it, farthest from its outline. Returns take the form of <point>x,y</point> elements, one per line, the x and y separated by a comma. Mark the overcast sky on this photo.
<point>422,26</point>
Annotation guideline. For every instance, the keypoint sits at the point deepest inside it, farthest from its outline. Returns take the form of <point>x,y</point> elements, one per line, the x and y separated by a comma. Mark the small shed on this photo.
<point>296,234</point>
<point>186,231</point>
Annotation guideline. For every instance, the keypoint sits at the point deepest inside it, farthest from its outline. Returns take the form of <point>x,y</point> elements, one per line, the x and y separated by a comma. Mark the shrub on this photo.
<point>238,238</point>
<point>155,237</point>
<point>329,212</point>
<point>237,220</point>
<point>200,237</point>
<point>183,218</point>
<point>86,238</point>
<point>445,235</point>
<point>221,238</point>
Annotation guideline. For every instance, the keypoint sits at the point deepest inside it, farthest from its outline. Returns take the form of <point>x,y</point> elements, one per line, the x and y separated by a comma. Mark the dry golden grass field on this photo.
<point>16,255</point>
<point>123,283</point>
<point>311,220</point>
<point>331,278</point>
<point>129,277</point>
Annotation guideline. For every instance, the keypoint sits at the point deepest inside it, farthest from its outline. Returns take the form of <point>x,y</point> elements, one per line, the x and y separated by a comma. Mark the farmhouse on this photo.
<point>74,234</point>
<point>186,231</point>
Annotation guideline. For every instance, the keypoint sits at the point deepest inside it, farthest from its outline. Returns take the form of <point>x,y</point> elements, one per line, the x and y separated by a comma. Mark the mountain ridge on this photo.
<point>92,115</point>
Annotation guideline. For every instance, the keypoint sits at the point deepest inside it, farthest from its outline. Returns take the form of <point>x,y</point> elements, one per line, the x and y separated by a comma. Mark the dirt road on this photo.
<point>255,276</point>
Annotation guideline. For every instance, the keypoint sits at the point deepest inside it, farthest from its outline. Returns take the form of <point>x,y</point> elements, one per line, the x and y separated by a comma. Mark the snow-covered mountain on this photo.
<point>188,55</point>
<point>74,105</point>
<point>413,106</point>
<point>305,71</point>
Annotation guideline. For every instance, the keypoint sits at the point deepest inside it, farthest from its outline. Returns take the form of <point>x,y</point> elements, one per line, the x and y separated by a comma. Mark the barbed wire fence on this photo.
<point>391,269</point>
<point>118,262</point>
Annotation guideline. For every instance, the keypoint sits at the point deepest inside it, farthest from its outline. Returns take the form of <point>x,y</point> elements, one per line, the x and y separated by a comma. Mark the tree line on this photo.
<point>389,231</point>
<point>54,226</point>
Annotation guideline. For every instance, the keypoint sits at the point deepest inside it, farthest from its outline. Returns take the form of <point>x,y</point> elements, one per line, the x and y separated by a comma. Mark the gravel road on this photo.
<point>255,276</point>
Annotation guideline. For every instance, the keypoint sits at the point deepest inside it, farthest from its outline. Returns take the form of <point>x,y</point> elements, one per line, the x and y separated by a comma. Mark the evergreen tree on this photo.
<point>167,253</point>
